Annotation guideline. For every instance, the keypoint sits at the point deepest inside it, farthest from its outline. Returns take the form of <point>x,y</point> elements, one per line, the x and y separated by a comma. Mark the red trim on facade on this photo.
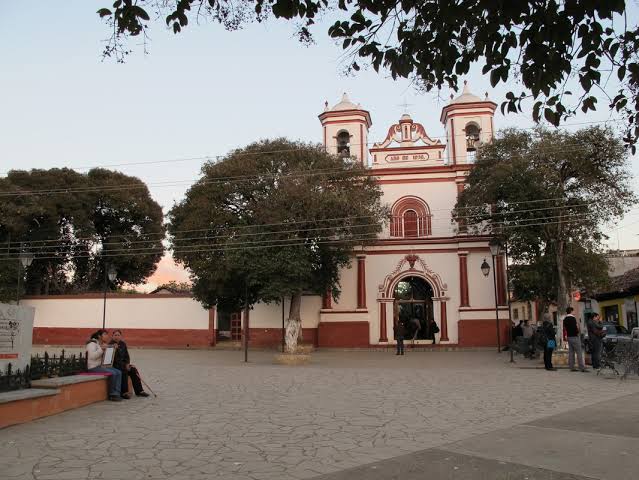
<point>439,146</point>
<point>444,321</point>
<point>501,280</point>
<point>345,113</point>
<point>481,333</point>
<point>272,337</point>
<point>415,180</point>
<point>134,337</point>
<point>487,104</point>
<point>361,281</point>
<point>423,250</point>
<point>463,279</point>
<point>380,172</point>
<point>343,334</point>
<point>382,322</point>
<point>488,309</point>
<point>398,220</point>
<point>325,145</point>
<point>333,311</point>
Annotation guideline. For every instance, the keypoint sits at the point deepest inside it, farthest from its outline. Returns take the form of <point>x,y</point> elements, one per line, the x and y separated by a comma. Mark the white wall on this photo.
<point>157,312</point>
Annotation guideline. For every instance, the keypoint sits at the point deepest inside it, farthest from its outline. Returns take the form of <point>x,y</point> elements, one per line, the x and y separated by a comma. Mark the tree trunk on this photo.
<point>293,323</point>
<point>562,286</point>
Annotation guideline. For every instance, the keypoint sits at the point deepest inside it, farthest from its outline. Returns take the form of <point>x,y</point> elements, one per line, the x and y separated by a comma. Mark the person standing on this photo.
<point>572,335</point>
<point>595,335</point>
<point>434,329</point>
<point>548,330</point>
<point>400,331</point>
<point>122,362</point>
<point>528,333</point>
<point>95,352</point>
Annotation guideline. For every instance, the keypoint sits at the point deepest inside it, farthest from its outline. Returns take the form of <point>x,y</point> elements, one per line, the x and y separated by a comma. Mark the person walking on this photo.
<point>122,362</point>
<point>572,334</point>
<point>95,352</point>
<point>548,331</point>
<point>595,335</point>
<point>400,331</point>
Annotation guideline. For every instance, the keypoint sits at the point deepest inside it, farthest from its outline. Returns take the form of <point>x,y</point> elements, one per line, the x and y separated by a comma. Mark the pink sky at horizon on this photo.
<point>166,271</point>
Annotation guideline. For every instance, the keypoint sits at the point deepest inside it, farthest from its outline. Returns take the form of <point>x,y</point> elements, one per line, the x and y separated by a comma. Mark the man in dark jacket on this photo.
<point>572,334</point>
<point>122,362</point>
<point>400,332</point>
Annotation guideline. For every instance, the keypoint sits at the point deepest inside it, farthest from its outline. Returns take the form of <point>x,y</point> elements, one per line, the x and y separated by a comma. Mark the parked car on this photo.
<point>615,333</point>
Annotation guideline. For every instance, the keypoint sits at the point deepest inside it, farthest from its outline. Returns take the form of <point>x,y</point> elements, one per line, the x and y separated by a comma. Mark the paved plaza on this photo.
<point>348,415</point>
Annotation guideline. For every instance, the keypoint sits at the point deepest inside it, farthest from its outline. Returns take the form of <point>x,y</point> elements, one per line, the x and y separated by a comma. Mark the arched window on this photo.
<point>343,144</point>
<point>410,217</point>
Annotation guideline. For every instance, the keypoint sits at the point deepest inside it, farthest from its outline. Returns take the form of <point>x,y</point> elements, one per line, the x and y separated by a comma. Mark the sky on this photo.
<point>200,93</point>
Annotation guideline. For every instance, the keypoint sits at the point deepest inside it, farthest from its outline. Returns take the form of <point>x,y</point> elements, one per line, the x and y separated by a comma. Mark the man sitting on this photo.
<point>122,362</point>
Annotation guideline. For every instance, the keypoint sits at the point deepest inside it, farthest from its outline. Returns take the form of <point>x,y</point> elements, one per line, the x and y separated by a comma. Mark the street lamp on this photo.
<point>485,268</point>
<point>26,259</point>
<point>495,249</point>
<point>111,274</point>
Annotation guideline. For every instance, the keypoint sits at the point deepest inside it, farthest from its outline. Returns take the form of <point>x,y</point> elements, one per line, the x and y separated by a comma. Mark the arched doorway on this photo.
<point>414,304</point>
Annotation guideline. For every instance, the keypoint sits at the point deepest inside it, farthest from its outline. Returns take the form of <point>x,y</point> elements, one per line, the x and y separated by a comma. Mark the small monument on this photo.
<point>16,335</point>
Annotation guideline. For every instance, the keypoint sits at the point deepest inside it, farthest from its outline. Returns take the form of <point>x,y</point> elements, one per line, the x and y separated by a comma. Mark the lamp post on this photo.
<point>26,259</point>
<point>110,274</point>
<point>495,249</point>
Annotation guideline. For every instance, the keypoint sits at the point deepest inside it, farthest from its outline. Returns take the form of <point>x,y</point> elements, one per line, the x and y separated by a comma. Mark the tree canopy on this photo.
<point>274,219</point>
<point>540,45</point>
<point>547,196</point>
<point>76,225</point>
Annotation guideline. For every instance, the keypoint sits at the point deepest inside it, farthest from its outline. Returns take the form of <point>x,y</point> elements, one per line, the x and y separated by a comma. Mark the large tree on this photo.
<point>540,44</point>
<point>76,225</point>
<point>547,195</point>
<point>275,219</point>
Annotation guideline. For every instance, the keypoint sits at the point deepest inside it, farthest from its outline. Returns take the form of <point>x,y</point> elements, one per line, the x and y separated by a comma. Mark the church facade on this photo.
<point>421,268</point>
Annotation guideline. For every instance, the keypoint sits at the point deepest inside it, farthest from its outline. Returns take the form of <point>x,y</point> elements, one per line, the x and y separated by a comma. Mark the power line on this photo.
<point>232,231</point>
<point>293,242</point>
<point>218,157</point>
<point>233,179</point>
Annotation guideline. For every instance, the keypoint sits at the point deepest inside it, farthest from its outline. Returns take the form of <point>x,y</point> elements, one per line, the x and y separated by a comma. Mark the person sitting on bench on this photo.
<point>122,362</point>
<point>95,352</point>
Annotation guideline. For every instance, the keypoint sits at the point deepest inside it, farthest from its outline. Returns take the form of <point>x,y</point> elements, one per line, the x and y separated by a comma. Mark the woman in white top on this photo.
<point>95,351</point>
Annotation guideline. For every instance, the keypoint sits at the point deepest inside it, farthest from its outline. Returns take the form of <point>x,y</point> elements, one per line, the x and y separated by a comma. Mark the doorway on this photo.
<point>414,304</point>
<point>229,326</point>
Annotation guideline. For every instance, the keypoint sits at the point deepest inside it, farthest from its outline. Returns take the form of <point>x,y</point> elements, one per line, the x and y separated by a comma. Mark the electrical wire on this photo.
<point>218,157</point>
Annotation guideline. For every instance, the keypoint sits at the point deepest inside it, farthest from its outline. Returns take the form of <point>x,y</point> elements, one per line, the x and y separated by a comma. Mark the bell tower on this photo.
<point>345,129</point>
<point>468,121</point>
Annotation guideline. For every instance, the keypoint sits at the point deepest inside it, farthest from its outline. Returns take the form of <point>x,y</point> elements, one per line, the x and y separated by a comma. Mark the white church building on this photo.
<point>421,268</point>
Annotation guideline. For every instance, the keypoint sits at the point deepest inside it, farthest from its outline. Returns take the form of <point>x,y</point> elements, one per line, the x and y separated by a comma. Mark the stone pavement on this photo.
<point>354,415</point>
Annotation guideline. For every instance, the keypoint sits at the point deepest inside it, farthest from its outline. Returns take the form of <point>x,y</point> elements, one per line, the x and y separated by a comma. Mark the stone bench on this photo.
<point>49,396</point>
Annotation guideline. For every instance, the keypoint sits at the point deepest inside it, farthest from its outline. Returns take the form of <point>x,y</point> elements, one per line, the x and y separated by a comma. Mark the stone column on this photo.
<point>443,318</point>
<point>361,281</point>
<point>463,279</point>
<point>383,337</point>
